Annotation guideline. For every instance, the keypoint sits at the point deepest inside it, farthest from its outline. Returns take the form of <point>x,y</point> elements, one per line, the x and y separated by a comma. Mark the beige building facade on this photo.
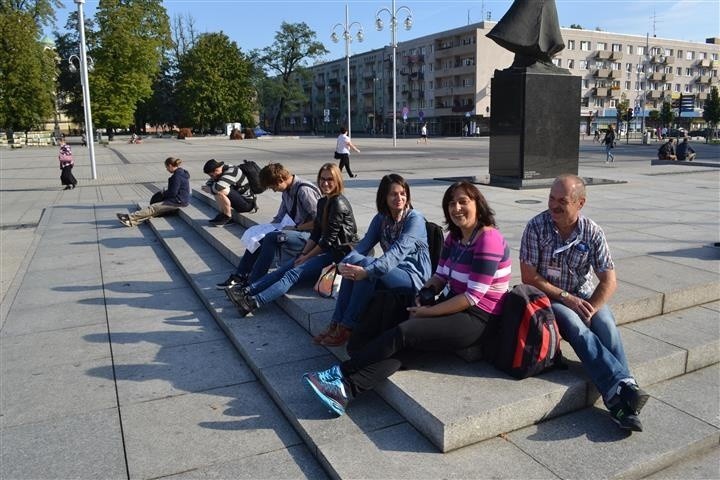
<point>444,79</point>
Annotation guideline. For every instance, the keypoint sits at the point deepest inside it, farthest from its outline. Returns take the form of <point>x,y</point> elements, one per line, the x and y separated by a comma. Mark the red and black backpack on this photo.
<point>528,339</point>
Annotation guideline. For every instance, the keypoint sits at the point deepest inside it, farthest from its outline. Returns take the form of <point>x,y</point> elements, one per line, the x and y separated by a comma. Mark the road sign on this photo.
<point>687,103</point>
<point>637,110</point>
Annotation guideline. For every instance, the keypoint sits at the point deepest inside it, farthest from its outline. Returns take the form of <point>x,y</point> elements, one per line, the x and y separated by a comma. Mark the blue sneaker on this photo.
<point>329,387</point>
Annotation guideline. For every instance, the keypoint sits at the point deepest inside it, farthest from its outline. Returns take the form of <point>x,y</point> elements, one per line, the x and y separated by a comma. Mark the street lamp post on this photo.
<point>86,89</point>
<point>348,39</point>
<point>393,34</point>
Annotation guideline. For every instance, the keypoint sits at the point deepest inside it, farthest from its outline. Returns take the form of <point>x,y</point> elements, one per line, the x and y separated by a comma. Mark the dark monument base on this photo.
<point>534,127</point>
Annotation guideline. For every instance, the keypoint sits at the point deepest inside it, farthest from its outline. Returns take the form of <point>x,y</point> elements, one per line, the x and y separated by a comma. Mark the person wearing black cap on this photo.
<point>226,185</point>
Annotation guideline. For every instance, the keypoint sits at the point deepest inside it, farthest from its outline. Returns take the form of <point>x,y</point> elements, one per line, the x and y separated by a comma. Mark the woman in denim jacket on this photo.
<point>404,265</point>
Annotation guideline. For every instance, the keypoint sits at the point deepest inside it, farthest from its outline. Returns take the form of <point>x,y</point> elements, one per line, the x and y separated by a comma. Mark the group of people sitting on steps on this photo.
<point>456,306</point>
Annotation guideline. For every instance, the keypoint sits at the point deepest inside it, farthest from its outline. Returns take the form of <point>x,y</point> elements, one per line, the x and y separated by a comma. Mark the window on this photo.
<point>628,85</point>
<point>678,71</point>
<point>583,65</point>
<point>571,63</point>
<point>571,44</point>
<point>677,87</point>
<point>714,56</point>
<point>617,66</point>
<point>586,83</point>
<point>640,67</point>
<point>584,102</point>
<point>585,45</point>
<point>557,62</point>
<point>628,67</point>
<point>430,85</point>
<point>667,87</point>
<point>688,72</point>
<point>679,54</point>
<point>599,102</point>
<point>641,50</point>
<point>601,46</point>
<point>688,88</point>
<point>616,47</point>
<point>702,55</point>
<point>689,55</point>
<point>629,49</point>
<point>613,103</point>
<point>669,52</point>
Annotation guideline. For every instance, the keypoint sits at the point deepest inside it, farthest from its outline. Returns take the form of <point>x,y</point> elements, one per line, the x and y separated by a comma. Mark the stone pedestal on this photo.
<point>534,127</point>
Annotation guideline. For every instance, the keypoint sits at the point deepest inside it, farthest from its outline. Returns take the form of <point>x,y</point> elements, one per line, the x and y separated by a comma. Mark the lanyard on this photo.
<point>456,258</point>
<point>566,246</point>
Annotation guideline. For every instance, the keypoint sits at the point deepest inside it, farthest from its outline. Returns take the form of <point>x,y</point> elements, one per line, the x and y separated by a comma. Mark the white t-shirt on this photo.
<point>342,144</point>
<point>423,130</point>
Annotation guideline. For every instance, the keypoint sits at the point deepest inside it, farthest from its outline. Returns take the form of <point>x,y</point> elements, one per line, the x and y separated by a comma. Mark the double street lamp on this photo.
<point>83,62</point>
<point>347,35</point>
<point>393,42</point>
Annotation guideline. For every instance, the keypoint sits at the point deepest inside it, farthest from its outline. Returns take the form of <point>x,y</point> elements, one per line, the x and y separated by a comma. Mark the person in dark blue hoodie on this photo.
<point>177,195</point>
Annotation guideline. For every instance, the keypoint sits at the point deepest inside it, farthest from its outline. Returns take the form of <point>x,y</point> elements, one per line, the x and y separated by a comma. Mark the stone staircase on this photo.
<point>486,423</point>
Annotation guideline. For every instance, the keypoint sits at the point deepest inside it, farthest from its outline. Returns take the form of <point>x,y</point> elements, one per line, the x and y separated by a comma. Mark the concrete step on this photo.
<point>492,403</point>
<point>375,440</point>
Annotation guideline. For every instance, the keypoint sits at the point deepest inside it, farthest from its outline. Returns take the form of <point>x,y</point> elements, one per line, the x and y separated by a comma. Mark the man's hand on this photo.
<point>352,272</point>
<point>582,307</point>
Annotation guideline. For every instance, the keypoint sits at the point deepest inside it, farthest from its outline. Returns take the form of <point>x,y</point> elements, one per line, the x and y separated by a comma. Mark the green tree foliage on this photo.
<point>41,11</point>
<point>27,73</point>
<point>711,109</point>
<point>128,51</point>
<point>214,85</point>
<point>576,26</point>
<point>666,114</point>
<point>294,46</point>
<point>69,89</point>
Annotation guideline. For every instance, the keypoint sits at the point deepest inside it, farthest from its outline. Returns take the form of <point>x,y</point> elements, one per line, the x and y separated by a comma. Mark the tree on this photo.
<point>128,51</point>
<point>27,78</point>
<point>41,11</point>
<point>214,85</point>
<point>576,26</point>
<point>294,46</point>
<point>711,111</point>
<point>666,114</point>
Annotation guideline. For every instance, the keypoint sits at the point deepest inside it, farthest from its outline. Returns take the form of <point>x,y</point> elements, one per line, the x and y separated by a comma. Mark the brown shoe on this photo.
<point>339,337</point>
<point>317,339</point>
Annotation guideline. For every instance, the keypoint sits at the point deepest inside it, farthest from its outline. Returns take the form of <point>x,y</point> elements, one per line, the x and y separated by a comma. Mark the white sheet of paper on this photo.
<point>252,236</point>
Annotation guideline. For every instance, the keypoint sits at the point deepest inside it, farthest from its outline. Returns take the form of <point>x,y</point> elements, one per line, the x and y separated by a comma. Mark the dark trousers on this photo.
<point>67,177</point>
<point>345,162</point>
<point>239,202</point>
<point>385,354</point>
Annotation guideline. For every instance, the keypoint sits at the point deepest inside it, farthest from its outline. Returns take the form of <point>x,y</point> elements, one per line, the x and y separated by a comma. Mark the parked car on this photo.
<point>676,132</point>
<point>259,132</point>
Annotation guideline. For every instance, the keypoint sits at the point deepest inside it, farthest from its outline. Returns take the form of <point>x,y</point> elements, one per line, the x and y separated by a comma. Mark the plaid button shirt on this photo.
<point>543,248</point>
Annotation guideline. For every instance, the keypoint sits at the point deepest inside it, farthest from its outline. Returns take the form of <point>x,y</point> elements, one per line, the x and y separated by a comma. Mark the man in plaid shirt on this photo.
<point>559,249</point>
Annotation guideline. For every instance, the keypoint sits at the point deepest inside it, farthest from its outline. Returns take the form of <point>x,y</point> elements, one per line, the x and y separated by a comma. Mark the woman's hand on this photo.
<point>302,258</point>
<point>352,272</point>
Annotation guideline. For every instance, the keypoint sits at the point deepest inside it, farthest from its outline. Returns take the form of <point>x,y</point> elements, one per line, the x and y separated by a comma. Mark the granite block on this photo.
<point>695,330</point>
<point>702,465</point>
<point>696,393</point>
<point>587,444</point>
<point>187,432</point>
<point>87,445</point>
<point>46,392</point>
<point>631,302</point>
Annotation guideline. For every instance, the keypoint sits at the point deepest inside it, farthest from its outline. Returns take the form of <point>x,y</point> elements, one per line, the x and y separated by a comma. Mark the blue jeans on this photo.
<point>258,263</point>
<point>354,296</point>
<point>277,283</point>
<point>609,157</point>
<point>599,347</point>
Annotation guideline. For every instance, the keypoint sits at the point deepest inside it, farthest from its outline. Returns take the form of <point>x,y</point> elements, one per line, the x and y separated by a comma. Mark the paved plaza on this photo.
<point>111,365</point>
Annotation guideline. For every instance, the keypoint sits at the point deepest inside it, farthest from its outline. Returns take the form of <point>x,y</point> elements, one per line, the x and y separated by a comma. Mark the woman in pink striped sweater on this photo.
<point>472,279</point>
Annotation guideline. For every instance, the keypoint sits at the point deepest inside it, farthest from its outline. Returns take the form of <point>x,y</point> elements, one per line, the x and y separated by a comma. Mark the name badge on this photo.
<point>553,272</point>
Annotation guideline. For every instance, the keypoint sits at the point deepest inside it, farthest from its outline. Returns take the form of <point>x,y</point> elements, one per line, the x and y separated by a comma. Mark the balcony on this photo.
<point>600,91</point>
<point>454,50</point>
<point>661,77</point>
<point>602,73</point>
<point>462,69</point>
<point>615,92</point>
<point>706,79</point>
<point>656,94</point>
<point>602,55</point>
<point>662,59</point>
<point>706,63</point>
<point>616,56</point>
<point>411,59</point>
<point>615,74</point>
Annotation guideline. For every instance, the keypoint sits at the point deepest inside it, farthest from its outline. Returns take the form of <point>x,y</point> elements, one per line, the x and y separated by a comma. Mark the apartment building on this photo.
<point>444,79</point>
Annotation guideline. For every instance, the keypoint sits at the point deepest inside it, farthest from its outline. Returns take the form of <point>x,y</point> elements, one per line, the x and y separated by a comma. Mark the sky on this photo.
<point>253,24</point>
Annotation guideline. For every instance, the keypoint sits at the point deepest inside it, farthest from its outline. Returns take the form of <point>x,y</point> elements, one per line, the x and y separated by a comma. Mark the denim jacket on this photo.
<point>409,253</point>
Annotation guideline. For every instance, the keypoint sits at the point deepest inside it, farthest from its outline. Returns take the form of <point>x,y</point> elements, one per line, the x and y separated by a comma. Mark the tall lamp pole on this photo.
<point>393,39</point>
<point>86,89</point>
<point>348,39</point>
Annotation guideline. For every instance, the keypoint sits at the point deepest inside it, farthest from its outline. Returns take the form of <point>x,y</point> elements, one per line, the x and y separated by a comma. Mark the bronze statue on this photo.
<point>531,30</point>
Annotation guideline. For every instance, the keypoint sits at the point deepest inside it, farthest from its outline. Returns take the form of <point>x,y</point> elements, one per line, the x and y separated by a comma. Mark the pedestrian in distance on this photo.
<point>404,264</point>
<point>230,193</point>
<point>174,197</point>
<point>560,251</point>
<point>66,165</point>
<point>299,202</point>
<point>596,137</point>
<point>609,142</point>
<point>474,269</point>
<point>684,151</point>
<point>342,151</point>
<point>333,236</point>
<point>423,133</point>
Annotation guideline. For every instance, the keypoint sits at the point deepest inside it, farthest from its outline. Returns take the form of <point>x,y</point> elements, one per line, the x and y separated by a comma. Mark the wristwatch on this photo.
<point>564,294</point>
